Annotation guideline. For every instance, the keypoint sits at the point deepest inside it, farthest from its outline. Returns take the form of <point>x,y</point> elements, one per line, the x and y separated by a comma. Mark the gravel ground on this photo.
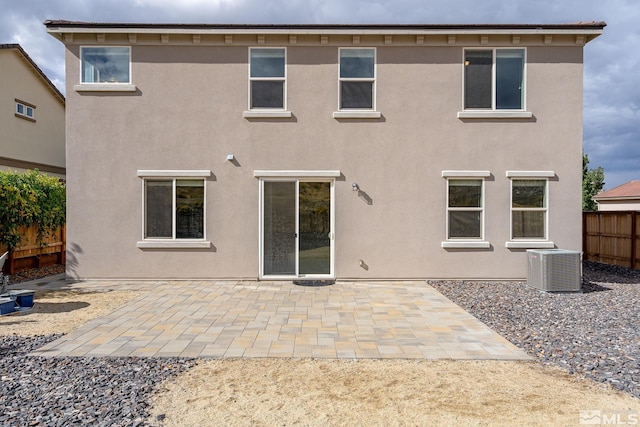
<point>36,273</point>
<point>595,334</point>
<point>39,391</point>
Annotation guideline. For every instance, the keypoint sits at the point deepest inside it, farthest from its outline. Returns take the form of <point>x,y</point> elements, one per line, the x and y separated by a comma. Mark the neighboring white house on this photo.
<point>32,116</point>
<point>625,197</point>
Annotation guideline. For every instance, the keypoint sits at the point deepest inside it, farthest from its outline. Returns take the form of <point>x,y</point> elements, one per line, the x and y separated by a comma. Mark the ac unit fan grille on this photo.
<point>554,270</point>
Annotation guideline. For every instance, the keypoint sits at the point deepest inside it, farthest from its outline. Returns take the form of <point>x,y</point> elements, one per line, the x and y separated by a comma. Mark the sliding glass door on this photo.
<point>279,224</point>
<point>297,233</point>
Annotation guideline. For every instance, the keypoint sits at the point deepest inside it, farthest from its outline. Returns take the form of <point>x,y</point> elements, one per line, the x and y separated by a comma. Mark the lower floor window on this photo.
<point>465,209</point>
<point>528,208</point>
<point>174,208</point>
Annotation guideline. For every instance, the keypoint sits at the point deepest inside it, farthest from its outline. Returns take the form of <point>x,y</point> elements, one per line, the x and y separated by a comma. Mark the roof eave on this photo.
<point>616,198</point>
<point>592,29</point>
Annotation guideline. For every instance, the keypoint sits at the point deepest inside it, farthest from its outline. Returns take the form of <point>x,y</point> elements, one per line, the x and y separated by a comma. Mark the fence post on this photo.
<point>584,235</point>
<point>63,252</point>
<point>633,239</point>
<point>11,260</point>
<point>599,216</point>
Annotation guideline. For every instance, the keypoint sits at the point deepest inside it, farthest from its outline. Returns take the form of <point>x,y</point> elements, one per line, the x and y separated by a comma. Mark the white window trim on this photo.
<point>530,243</point>
<point>493,113</point>
<point>356,113</point>
<point>173,173</point>
<point>466,242</point>
<point>173,243</point>
<point>465,174</point>
<point>296,173</point>
<point>530,174</point>
<point>105,87</point>
<point>265,113</point>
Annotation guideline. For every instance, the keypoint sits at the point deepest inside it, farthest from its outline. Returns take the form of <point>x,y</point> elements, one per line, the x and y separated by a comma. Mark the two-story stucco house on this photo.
<point>31,116</point>
<point>321,151</point>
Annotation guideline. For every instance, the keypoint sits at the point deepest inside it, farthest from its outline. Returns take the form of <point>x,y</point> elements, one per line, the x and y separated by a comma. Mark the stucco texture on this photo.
<point>187,113</point>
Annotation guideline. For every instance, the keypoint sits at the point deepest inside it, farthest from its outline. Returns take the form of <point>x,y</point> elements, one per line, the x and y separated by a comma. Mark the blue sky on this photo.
<point>612,61</point>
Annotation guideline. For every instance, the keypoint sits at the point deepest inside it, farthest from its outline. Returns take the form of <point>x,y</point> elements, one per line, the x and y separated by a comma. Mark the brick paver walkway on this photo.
<point>357,320</point>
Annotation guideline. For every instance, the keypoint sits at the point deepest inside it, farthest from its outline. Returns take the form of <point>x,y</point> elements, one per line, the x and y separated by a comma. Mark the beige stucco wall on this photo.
<point>42,141</point>
<point>187,114</point>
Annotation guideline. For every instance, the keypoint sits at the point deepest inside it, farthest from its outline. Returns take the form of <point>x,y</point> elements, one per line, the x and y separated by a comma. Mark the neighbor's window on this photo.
<point>25,110</point>
<point>464,208</point>
<point>267,78</point>
<point>174,209</point>
<point>528,208</point>
<point>494,79</point>
<point>357,78</point>
<point>105,64</point>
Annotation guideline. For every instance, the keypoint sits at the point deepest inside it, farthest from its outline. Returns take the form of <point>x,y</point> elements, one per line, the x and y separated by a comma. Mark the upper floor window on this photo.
<point>528,209</point>
<point>494,79</point>
<point>105,64</point>
<point>267,77</point>
<point>24,110</point>
<point>357,78</point>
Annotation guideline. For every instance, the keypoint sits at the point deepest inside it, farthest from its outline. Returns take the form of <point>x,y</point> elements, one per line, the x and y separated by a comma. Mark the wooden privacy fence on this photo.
<point>31,254</point>
<point>612,237</point>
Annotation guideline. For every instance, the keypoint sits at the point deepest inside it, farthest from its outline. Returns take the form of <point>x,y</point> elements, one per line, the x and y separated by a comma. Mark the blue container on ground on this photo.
<point>7,305</point>
<point>24,298</point>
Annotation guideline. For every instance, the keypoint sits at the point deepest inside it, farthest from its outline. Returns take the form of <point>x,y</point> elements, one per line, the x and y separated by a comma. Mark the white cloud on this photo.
<point>185,4</point>
<point>185,10</point>
<point>45,51</point>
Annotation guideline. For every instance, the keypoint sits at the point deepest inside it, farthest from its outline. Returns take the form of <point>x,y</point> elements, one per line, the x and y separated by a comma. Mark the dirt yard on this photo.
<point>61,311</point>
<point>287,392</point>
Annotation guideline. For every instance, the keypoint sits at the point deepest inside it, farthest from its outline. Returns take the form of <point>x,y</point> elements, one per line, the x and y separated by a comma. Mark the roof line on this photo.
<point>24,164</point>
<point>31,62</point>
<point>616,198</point>
<point>122,25</point>
<point>630,189</point>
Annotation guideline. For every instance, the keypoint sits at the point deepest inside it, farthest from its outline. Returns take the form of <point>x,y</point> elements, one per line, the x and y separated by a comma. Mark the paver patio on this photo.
<point>356,320</point>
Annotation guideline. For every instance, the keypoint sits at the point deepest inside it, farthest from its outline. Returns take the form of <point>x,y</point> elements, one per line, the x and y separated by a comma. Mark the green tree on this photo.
<point>592,183</point>
<point>30,198</point>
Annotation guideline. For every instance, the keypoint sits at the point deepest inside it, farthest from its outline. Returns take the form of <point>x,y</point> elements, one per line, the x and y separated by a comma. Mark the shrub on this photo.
<point>30,198</point>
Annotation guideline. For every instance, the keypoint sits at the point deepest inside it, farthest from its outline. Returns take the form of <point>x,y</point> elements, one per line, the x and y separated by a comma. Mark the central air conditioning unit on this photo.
<point>554,270</point>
